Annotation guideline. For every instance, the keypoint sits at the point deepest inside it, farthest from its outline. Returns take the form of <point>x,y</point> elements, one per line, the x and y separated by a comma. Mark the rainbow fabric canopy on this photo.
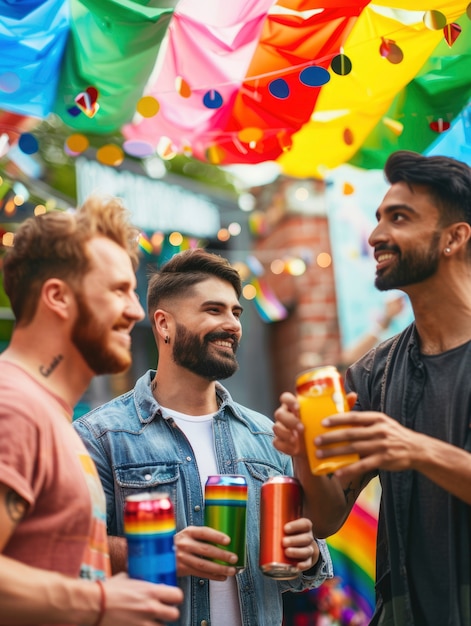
<point>308,84</point>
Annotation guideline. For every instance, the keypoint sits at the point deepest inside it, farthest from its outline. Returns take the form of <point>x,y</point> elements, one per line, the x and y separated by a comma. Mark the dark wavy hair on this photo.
<point>184,270</point>
<point>447,180</point>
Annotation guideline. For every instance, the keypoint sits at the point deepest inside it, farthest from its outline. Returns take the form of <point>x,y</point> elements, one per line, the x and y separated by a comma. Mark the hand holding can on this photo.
<point>280,503</point>
<point>149,527</point>
<point>320,393</point>
<point>225,509</point>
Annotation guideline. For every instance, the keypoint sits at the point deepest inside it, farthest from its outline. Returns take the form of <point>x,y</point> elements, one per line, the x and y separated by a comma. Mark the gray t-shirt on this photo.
<point>428,559</point>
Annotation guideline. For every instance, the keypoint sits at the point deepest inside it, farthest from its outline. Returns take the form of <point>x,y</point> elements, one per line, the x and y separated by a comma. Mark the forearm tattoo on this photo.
<point>16,506</point>
<point>351,493</point>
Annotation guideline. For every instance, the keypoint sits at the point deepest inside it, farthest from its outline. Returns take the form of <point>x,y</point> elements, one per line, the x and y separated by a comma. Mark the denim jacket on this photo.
<point>135,449</point>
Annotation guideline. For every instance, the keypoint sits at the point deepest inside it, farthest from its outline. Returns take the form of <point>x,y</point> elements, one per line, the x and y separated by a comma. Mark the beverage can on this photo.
<point>225,509</point>
<point>321,393</point>
<point>149,528</point>
<point>280,503</point>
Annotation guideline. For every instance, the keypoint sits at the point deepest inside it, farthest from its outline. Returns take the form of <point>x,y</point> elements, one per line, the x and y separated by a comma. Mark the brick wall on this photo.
<point>310,335</point>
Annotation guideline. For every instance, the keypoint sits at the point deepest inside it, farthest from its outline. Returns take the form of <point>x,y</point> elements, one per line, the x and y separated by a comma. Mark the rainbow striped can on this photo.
<point>149,528</point>
<point>225,509</point>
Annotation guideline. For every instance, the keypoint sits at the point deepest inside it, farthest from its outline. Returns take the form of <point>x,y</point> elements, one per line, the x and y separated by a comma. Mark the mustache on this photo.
<point>222,336</point>
<point>383,247</point>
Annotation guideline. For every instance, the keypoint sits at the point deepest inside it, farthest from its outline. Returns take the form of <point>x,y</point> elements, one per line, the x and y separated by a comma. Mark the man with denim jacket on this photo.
<point>411,423</point>
<point>177,426</point>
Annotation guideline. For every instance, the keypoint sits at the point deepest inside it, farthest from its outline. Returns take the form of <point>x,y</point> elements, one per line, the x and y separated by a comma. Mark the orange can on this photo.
<point>280,503</point>
<point>321,393</point>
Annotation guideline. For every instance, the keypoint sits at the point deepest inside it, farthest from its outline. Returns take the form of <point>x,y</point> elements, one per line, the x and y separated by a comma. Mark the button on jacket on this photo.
<point>135,450</point>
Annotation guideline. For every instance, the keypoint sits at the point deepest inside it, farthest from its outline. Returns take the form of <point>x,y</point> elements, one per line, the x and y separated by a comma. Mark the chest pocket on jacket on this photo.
<point>262,471</point>
<point>155,478</point>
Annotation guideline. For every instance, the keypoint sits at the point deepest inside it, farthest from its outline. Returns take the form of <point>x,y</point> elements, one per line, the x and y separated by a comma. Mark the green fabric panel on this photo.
<point>112,46</point>
<point>440,90</point>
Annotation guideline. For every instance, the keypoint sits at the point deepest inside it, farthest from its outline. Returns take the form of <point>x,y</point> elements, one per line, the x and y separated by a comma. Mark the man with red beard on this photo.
<point>411,422</point>
<point>178,426</point>
<point>71,283</point>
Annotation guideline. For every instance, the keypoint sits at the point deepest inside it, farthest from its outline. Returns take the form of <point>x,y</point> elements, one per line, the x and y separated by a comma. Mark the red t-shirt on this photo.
<point>46,463</point>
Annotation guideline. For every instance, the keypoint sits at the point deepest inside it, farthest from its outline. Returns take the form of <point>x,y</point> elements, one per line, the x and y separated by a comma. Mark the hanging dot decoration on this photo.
<point>87,101</point>
<point>212,99</point>
<point>250,135</point>
<point>434,20</point>
<point>137,148</point>
<point>314,76</point>
<point>110,154</point>
<point>147,106</point>
<point>279,88</point>
<point>393,125</point>
<point>165,149</point>
<point>215,155</point>
<point>77,143</point>
<point>28,144</point>
<point>391,51</point>
<point>341,65</point>
<point>451,32</point>
<point>348,137</point>
<point>182,87</point>
<point>439,126</point>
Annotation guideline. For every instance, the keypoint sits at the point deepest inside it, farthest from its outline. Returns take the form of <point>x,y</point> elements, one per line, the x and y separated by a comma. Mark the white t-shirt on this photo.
<point>198,429</point>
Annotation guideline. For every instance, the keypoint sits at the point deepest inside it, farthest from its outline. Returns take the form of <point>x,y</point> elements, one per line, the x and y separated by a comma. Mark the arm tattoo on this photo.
<point>16,506</point>
<point>350,491</point>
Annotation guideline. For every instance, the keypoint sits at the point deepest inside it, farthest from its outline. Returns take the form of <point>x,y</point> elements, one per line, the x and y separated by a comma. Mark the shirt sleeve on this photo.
<point>22,450</point>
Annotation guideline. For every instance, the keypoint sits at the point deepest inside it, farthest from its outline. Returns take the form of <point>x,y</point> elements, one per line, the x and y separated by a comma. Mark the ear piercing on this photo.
<point>167,340</point>
<point>447,250</point>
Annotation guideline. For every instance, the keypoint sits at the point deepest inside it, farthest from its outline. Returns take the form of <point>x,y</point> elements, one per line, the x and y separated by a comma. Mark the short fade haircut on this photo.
<point>448,182</point>
<point>185,269</point>
<point>53,246</point>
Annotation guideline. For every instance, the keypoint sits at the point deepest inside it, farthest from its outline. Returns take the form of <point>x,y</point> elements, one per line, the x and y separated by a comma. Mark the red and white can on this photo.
<point>280,503</point>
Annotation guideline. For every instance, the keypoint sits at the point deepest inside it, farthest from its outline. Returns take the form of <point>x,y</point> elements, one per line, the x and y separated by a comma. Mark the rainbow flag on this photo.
<point>353,552</point>
<point>349,598</point>
<point>266,303</point>
<point>145,243</point>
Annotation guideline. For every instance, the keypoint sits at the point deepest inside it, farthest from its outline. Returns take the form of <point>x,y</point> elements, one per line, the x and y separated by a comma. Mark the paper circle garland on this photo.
<point>148,106</point>
<point>212,99</point>
<point>341,65</point>
<point>314,76</point>
<point>279,88</point>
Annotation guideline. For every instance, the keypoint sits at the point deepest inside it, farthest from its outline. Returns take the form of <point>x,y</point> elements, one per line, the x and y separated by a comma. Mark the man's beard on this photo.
<point>198,355</point>
<point>90,338</point>
<point>410,267</point>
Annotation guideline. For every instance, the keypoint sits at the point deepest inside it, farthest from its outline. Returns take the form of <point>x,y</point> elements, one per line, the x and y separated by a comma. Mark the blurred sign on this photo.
<point>155,205</point>
<point>353,197</point>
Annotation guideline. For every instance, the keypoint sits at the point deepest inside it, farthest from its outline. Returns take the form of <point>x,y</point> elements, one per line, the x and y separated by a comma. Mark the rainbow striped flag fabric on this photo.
<point>348,599</point>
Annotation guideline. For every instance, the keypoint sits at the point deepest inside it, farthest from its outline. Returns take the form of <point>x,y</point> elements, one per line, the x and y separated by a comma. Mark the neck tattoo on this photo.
<point>47,371</point>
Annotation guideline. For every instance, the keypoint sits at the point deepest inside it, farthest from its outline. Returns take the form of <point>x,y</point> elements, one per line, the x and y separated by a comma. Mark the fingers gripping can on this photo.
<point>321,393</point>
<point>225,509</point>
<point>149,528</point>
<point>280,503</point>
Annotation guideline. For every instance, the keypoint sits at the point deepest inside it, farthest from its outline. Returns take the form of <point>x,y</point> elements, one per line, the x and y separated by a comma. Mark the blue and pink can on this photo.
<point>149,528</point>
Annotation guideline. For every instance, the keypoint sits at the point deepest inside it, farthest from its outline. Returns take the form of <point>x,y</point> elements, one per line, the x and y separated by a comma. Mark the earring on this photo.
<point>447,250</point>
<point>167,339</point>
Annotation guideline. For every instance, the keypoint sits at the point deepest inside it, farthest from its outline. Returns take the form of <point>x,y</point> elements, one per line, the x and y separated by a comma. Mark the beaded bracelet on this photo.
<point>101,613</point>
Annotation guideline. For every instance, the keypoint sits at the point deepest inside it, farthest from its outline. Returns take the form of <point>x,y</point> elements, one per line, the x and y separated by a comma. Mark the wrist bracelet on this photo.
<point>101,613</point>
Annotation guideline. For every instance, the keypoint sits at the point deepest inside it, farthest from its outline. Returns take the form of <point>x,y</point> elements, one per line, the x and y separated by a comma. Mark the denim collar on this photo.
<point>148,408</point>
